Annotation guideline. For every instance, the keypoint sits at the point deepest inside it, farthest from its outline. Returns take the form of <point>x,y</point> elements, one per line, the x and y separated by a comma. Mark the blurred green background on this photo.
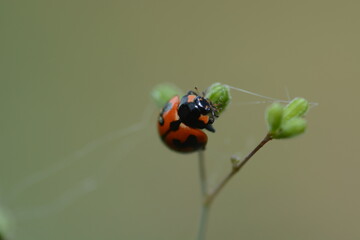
<point>80,155</point>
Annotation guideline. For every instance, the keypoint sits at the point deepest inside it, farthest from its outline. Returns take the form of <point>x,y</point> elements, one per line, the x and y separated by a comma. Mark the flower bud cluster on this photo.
<point>287,121</point>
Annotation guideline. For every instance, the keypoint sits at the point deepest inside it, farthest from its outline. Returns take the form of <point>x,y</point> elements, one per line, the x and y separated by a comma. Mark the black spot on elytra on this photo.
<point>190,142</point>
<point>175,125</point>
<point>165,109</point>
<point>161,120</point>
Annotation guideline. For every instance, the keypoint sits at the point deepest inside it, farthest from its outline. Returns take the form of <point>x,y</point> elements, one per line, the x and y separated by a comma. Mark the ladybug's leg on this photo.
<point>210,127</point>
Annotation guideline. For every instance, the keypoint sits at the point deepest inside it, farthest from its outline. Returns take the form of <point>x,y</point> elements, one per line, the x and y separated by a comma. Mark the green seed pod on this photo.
<point>162,93</point>
<point>291,128</point>
<point>274,115</point>
<point>219,95</point>
<point>296,108</point>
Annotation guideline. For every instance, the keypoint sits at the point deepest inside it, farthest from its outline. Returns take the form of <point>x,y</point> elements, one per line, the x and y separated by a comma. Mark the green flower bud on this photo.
<point>296,108</point>
<point>274,115</point>
<point>219,95</point>
<point>291,128</point>
<point>287,122</point>
<point>162,93</point>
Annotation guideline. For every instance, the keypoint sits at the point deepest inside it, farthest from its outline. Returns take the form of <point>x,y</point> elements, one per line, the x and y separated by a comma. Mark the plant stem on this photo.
<point>202,174</point>
<point>203,222</point>
<point>205,208</point>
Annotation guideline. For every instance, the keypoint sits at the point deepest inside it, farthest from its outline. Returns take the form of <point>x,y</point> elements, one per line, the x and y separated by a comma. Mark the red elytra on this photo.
<point>175,134</point>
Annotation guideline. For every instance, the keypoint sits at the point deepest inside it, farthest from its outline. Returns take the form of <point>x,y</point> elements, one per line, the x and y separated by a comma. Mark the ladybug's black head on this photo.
<point>203,105</point>
<point>205,108</point>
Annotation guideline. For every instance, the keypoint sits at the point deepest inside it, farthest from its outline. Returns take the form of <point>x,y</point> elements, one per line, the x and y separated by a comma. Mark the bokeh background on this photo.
<point>80,155</point>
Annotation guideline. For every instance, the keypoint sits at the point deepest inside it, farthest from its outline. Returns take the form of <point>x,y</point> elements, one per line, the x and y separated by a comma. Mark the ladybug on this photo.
<point>181,122</point>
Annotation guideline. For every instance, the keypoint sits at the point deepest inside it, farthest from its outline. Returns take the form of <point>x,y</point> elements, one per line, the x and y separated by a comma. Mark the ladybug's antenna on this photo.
<point>197,91</point>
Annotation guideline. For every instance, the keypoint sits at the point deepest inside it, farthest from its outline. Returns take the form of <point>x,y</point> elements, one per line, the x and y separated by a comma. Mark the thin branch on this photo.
<point>210,197</point>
